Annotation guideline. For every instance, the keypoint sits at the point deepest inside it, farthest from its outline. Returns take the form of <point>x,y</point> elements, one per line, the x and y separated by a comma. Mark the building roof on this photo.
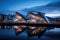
<point>40,14</point>
<point>21,15</point>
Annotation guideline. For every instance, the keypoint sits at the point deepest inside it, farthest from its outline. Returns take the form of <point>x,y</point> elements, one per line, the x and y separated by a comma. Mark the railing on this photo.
<point>30,24</point>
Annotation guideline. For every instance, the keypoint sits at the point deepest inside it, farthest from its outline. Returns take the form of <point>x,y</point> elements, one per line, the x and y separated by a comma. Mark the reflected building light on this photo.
<point>19,19</point>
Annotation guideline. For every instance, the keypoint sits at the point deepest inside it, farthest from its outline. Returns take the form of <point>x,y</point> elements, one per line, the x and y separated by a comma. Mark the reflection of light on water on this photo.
<point>55,30</point>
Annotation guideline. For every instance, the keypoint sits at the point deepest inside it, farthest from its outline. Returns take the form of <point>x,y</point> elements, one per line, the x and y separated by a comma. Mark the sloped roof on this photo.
<point>43,16</point>
<point>21,15</point>
<point>40,14</point>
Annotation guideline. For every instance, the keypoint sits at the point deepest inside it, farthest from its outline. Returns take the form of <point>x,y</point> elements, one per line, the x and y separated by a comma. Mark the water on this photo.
<point>53,34</point>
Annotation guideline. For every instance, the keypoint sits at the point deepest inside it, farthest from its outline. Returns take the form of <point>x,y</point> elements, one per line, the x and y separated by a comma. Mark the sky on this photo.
<point>21,4</point>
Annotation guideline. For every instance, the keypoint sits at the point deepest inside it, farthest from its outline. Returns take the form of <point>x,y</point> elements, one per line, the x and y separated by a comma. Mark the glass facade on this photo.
<point>32,17</point>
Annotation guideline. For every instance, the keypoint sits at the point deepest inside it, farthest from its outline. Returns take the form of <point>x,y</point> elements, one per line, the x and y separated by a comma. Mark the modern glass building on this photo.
<point>37,17</point>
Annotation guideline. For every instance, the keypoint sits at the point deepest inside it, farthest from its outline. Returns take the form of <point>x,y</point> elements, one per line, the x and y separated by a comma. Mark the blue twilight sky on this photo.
<point>21,4</point>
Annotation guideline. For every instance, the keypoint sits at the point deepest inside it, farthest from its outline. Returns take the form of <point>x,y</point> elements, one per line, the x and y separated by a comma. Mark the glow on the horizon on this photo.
<point>52,15</point>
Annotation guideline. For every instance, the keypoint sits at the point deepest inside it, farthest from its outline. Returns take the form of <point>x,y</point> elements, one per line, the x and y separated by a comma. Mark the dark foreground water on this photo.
<point>5,34</point>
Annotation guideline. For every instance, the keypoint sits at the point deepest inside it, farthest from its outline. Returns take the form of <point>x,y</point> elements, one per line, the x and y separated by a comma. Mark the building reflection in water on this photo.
<point>19,19</point>
<point>32,17</point>
<point>36,18</point>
